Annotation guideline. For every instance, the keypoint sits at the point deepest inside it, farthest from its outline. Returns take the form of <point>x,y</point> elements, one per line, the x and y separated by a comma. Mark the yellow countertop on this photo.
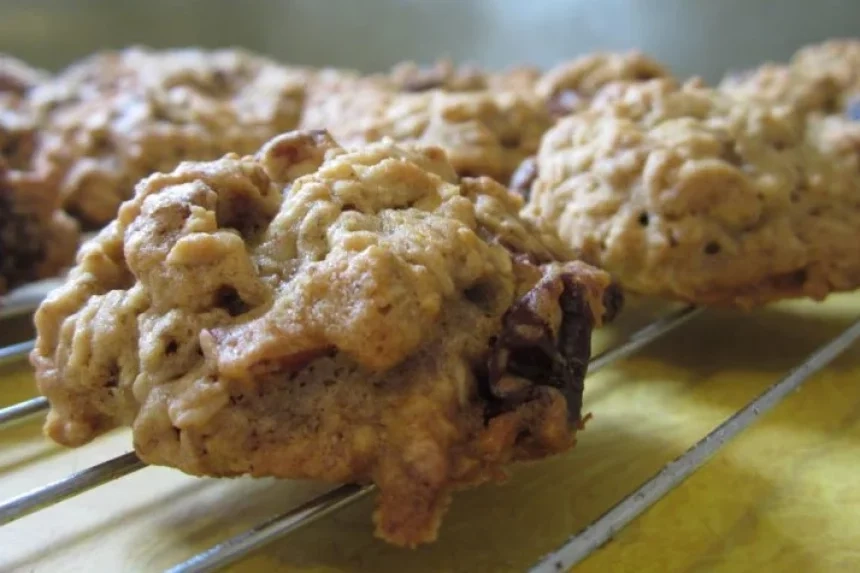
<point>783,496</point>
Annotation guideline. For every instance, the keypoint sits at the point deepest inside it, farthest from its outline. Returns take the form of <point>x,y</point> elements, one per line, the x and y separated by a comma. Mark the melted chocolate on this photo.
<point>527,353</point>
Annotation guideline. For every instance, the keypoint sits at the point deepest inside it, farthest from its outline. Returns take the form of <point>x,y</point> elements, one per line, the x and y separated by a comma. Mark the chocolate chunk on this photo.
<point>526,354</point>
<point>574,345</point>
<point>613,301</point>
<point>523,177</point>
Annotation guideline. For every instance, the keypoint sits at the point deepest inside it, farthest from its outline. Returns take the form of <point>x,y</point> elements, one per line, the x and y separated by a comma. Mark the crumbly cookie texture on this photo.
<point>820,78</point>
<point>442,74</point>
<point>445,75</point>
<point>483,132</point>
<point>688,193</point>
<point>838,58</point>
<point>120,116</point>
<point>569,86</point>
<point>37,239</point>
<point>780,84</point>
<point>312,312</point>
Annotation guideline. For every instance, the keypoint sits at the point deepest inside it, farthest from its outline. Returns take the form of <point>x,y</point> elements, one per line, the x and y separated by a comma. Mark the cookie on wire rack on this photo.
<point>360,315</point>
<point>694,194</point>
<point>37,240</point>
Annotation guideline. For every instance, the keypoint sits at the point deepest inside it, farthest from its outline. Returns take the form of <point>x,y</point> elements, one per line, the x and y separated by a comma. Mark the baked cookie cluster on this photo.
<point>315,312</point>
<point>393,278</point>
<point>489,123</point>
<point>121,116</point>
<point>107,121</point>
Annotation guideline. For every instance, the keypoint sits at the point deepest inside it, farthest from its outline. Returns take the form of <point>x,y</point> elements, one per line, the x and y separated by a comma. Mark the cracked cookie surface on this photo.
<point>570,86</point>
<point>445,75</point>
<point>119,116</point>
<point>315,312</point>
<point>483,132</point>
<point>820,78</point>
<point>692,194</point>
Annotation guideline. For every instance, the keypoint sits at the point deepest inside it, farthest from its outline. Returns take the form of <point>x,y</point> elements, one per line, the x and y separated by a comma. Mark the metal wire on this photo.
<point>70,486</point>
<point>604,528</point>
<point>644,336</point>
<point>16,352</point>
<point>576,549</point>
<point>240,545</point>
<point>26,299</point>
<point>573,552</point>
<point>237,547</point>
<point>22,410</point>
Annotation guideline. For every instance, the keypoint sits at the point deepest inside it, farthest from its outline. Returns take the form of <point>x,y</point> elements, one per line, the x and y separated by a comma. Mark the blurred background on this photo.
<point>704,37</point>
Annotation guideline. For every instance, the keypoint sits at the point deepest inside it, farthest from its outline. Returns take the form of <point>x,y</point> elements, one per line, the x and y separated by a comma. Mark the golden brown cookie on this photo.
<point>820,78</point>
<point>689,193</point>
<point>838,58</point>
<point>483,132</point>
<point>441,74</point>
<point>571,85</point>
<point>444,75</point>
<point>122,115</point>
<point>773,83</point>
<point>311,312</point>
<point>37,240</point>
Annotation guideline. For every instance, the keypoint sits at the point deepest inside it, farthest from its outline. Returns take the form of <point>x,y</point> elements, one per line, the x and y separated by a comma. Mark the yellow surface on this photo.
<point>784,496</point>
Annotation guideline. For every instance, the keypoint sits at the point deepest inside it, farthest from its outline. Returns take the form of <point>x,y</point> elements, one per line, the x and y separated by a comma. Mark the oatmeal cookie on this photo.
<point>120,116</point>
<point>839,59</point>
<point>311,312</point>
<point>37,240</point>
<point>483,132</point>
<point>444,75</point>
<point>821,79</point>
<point>688,193</point>
<point>779,84</point>
<point>569,86</point>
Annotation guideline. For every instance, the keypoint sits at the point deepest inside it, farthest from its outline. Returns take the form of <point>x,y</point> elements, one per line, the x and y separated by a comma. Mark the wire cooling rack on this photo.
<point>574,550</point>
